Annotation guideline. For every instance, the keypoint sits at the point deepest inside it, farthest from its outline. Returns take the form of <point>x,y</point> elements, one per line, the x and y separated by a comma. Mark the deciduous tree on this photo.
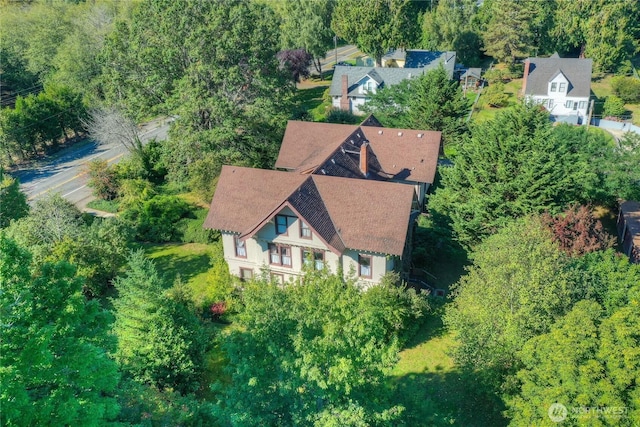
<point>56,367</point>
<point>518,286</point>
<point>13,202</point>
<point>314,353</point>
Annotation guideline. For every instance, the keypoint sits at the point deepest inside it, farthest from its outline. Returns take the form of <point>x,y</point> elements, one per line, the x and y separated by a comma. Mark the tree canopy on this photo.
<point>315,352</point>
<point>55,349</point>
<point>514,165</point>
<point>430,101</point>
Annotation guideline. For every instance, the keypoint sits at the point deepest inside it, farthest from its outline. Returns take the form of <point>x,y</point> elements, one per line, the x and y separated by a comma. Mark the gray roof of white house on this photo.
<point>419,58</point>
<point>543,70</point>
<point>384,76</point>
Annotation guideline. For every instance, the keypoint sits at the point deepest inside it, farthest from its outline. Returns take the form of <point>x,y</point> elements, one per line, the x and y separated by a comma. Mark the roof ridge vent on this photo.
<point>419,135</point>
<point>379,132</point>
<point>399,133</point>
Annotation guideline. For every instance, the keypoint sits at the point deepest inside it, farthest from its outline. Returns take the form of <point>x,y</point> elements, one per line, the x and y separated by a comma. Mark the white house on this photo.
<point>561,85</point>
<point>280,221</point>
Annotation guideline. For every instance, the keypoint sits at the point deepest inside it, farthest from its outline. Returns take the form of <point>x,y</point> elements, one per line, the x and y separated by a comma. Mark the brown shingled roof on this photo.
<point>401,154</point>
<point>345,213</point>
<point>307,144</point>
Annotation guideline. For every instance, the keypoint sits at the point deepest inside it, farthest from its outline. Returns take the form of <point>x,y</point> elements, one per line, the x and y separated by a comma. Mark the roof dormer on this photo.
<point>559,83</point>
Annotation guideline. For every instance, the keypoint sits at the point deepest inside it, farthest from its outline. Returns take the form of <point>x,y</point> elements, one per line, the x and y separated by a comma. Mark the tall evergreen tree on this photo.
<point>13,202</point>
<point>160,341</point>
<point>509,35</point>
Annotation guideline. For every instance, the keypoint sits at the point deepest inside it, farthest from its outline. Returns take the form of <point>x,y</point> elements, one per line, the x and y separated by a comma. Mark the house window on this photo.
<point>241,248</point>
<point>563,87</point>
<point>280,255</point>
<point>582,105</point>
<point>277,278</point>
<point>568,104</point>
<point>364,266</point>
<point>246,274</point>
<point>550,104</point>
<point>305,231</point>
<point>554,87</point>
<point>313,258</point>
<point>368,86</point>
<point>281,224</point>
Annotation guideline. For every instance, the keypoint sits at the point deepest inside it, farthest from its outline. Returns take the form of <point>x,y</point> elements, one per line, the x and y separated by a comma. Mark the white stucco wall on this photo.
<point>258,254</point>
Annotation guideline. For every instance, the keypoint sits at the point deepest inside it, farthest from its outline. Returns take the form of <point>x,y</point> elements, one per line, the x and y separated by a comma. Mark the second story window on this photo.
<point>281,224</point>
<point>305,231</point>
<point>554,87</point>
<point>241,248</point>
<point>563,87</point>
<point>279,255</point>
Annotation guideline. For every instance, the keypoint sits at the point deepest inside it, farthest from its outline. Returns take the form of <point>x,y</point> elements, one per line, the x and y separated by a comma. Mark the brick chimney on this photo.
<point>525,75</point>
<point>344,100</point>
<point>364,148</point>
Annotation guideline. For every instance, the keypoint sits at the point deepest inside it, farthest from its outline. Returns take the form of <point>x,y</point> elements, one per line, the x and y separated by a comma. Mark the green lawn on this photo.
<point>433,391</point>
<point>485,112</point>
<point>190,261</point>
<point>601,88</point>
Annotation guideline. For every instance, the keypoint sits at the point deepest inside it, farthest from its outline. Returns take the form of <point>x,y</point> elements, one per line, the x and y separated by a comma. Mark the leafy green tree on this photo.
<point>514,165</point>
<point>428,102</point>
<point>614,106</point>
<point>306,24</point>
<point>518,285</point>
<point>13,202</point>
<point>376,26</point>
<point>622,177</point>
<point>508,35</point>
<point>315,353</point>
<point>627,88</point>
<point>495,96</point>
<point>588,359</point>
<point>160,341</point>
<point>54,349</point>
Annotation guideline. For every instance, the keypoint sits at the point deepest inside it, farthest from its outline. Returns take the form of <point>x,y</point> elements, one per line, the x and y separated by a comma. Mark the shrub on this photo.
<point>341,116</point>
<point>156,219</point>
<point>626,88</point>
<point>494,76</point>
<point>614,106</point>
<point>494,95</point>
<point>103,180</point>
<point>192,231</point>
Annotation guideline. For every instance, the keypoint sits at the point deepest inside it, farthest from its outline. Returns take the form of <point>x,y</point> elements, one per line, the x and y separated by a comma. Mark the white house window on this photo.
<point>368,86</point>
<point>568,104</point>
<point>582,105</point>
<point>305,231</point>
<point>554,87</point>
<point>280,255</point>
<point>550,104</point>
<point>563,87</point>
<point>364,266</point>
<point>241,248</point>
<point>313,258</point>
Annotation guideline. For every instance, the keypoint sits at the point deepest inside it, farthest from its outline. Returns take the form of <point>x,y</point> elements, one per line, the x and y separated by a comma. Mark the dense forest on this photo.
<point>542,308</point>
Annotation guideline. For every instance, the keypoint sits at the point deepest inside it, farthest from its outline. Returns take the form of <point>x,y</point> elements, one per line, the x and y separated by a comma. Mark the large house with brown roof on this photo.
<point>363,152</point>
<point>346,198</point>
<point>284,221</point>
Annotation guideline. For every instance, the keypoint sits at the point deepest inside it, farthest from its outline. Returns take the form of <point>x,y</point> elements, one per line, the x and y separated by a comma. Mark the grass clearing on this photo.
<point>190,261</point>
<point>433,391</point>
<point>110,206</point>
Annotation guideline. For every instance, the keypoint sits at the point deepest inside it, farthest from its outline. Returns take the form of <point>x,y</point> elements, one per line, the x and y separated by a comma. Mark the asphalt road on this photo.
<point>344,53</point>
<point>67,174</point>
